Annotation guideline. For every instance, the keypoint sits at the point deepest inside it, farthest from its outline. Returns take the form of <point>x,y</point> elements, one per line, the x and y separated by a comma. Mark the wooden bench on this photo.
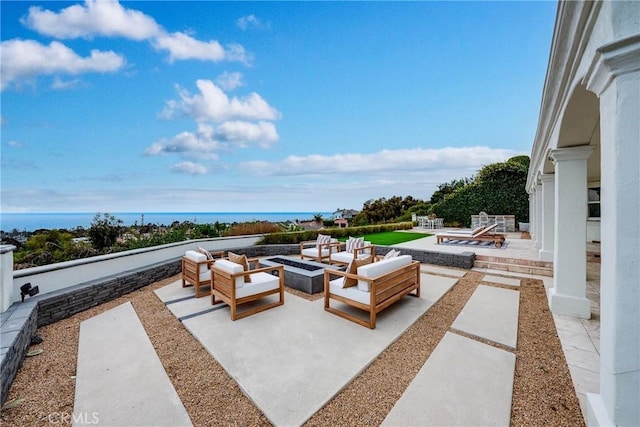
<point>380,284</point>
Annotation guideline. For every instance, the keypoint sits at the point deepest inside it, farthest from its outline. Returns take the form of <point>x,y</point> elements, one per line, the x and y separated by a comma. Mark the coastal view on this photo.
<point>319,213</point>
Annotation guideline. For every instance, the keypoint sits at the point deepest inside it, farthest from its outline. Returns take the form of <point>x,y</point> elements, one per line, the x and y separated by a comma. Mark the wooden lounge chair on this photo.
<point>234,285</point>
<point>319,250</point>
<point>482,234</point>
<point>196,270</point>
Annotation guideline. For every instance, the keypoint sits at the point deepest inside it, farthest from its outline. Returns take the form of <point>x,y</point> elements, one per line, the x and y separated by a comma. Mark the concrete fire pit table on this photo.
<point>303,275</point>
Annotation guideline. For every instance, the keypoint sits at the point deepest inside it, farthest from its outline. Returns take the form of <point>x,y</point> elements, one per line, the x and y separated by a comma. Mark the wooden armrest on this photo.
<point>262,269</point>
<point>217,254</point>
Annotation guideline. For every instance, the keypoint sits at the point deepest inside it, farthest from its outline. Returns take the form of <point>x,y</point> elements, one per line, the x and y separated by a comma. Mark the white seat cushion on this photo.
<point>260,282</point>
<point>313,252</point>
<point>380,268</point>
<point>346,257</point>
<point>205,276</point>
<point>352,293</point>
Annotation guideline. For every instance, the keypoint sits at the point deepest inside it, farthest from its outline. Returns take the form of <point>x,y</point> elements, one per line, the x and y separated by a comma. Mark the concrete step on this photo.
<point>512,268</point>
<point>539,268</point>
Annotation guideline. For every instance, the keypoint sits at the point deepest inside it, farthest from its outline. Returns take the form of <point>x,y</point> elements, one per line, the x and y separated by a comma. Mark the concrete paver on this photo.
<point>291,360</point>
<point>428,268</point>
<point>491,313</point>
<point>502,280</point>
<point>120,380</point>
<point>464,383</point>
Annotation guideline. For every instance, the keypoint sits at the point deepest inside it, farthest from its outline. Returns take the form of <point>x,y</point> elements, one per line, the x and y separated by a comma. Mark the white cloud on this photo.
<point>110,19</point>
<point>229,81</point>
<point>212,104</point>
<point>189,168</point>
<point>250,21</point>
<point>15,144</point>
<point>182,46</point>
<point>406,161</point>
<point>263,133</point>
<point>24,59</point>
<point>103,18</point>
<point>59,84</point>
<point>190,144</point>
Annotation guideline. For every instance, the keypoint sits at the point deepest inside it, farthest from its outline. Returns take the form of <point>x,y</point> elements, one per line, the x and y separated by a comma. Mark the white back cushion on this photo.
<point>379,268</point>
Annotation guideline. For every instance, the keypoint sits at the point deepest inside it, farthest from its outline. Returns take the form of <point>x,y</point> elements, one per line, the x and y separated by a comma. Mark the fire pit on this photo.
<point>303,275</point>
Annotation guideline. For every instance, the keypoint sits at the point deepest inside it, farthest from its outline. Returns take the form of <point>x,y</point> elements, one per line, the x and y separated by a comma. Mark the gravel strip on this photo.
<point>543,391</point>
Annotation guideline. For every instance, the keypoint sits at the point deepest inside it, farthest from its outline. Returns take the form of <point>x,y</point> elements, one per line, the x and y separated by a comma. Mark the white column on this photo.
<point>538,239</point>
<point>615,78</point>
<point>6,277</point>
<point>532,214</point>
<point>548,217</point>
<point>568,295</point>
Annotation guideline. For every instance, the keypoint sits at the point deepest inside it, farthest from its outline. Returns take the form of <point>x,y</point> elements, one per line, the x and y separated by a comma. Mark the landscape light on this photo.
<point>27,289</point>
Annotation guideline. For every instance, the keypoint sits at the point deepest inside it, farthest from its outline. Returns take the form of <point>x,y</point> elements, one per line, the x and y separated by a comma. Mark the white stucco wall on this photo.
<point>61,275</point>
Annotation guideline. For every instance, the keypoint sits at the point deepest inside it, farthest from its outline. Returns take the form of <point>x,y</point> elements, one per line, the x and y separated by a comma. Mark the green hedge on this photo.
<point>303,236</point>
<point>498,189</point>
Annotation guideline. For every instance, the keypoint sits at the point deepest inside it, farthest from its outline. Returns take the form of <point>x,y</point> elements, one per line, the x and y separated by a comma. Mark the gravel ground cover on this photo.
<point>43,391</point>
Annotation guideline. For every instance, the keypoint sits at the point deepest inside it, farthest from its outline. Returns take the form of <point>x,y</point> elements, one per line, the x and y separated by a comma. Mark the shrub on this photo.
<point>336,232</point>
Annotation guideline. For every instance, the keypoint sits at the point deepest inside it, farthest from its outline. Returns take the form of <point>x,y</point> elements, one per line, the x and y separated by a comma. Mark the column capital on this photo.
<point>547,177</point>
<point>581,152</point>
<point>613,60</point>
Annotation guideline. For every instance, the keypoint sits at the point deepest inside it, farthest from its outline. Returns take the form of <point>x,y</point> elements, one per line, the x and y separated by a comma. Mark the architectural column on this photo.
<point>615,78</point>
<point>532,214</point>
<point>7,291</point>
<point>538,238</point>
<point>568,295</point>
<point>548,217</point>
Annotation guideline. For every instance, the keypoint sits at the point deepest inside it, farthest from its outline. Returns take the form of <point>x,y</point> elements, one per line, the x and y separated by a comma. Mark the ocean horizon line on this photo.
<point>30,221</point>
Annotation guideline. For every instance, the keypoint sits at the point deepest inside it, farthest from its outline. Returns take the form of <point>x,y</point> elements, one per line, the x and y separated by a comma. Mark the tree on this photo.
<point>449,188</point>
<point>104,230</point>
<point>317,218</point>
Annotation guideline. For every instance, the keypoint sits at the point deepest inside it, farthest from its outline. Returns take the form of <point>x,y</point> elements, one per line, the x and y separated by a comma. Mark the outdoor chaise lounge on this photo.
<point>236,284</point>
<point>482,234</point>
<point>374,287</point>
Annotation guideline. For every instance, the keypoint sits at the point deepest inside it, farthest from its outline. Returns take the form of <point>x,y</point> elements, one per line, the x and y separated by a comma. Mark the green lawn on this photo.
<point>390,237</point>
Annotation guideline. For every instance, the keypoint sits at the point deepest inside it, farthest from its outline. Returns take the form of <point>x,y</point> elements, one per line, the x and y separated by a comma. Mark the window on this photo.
<point>594,203</point>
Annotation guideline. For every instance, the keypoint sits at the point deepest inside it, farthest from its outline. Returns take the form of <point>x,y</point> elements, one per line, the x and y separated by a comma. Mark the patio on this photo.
<point>290,382</point>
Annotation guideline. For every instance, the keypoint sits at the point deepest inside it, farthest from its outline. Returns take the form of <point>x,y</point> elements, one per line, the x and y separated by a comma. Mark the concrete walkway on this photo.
<point>120,380</point>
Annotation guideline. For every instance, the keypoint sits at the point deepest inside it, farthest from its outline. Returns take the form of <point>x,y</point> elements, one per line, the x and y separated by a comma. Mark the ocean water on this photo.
<point>71,220</point>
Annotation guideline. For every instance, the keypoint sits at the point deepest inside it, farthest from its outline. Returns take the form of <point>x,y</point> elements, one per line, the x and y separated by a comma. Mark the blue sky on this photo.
<point>261,106</point>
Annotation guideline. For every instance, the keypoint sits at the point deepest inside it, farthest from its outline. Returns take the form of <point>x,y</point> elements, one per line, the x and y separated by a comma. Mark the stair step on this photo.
<point>515,268</point>
<point>514,261</point>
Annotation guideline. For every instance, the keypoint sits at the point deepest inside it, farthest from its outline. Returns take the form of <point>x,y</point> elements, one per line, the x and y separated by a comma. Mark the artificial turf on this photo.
<point>388,238</point>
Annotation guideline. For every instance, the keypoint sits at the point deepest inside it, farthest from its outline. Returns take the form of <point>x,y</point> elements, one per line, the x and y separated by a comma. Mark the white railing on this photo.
<point>53,277</point>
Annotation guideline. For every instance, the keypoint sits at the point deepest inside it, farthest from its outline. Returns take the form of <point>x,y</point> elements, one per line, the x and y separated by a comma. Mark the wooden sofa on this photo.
<point>196,270</point>
<point>380,284</point>
<point>229,286</point>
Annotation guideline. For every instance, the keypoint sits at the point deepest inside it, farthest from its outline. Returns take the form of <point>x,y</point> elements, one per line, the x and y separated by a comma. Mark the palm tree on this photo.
<point>318,218</point>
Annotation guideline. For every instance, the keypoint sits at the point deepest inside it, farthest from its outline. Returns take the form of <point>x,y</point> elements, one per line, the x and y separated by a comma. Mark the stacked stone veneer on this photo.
<point>21,320</point>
